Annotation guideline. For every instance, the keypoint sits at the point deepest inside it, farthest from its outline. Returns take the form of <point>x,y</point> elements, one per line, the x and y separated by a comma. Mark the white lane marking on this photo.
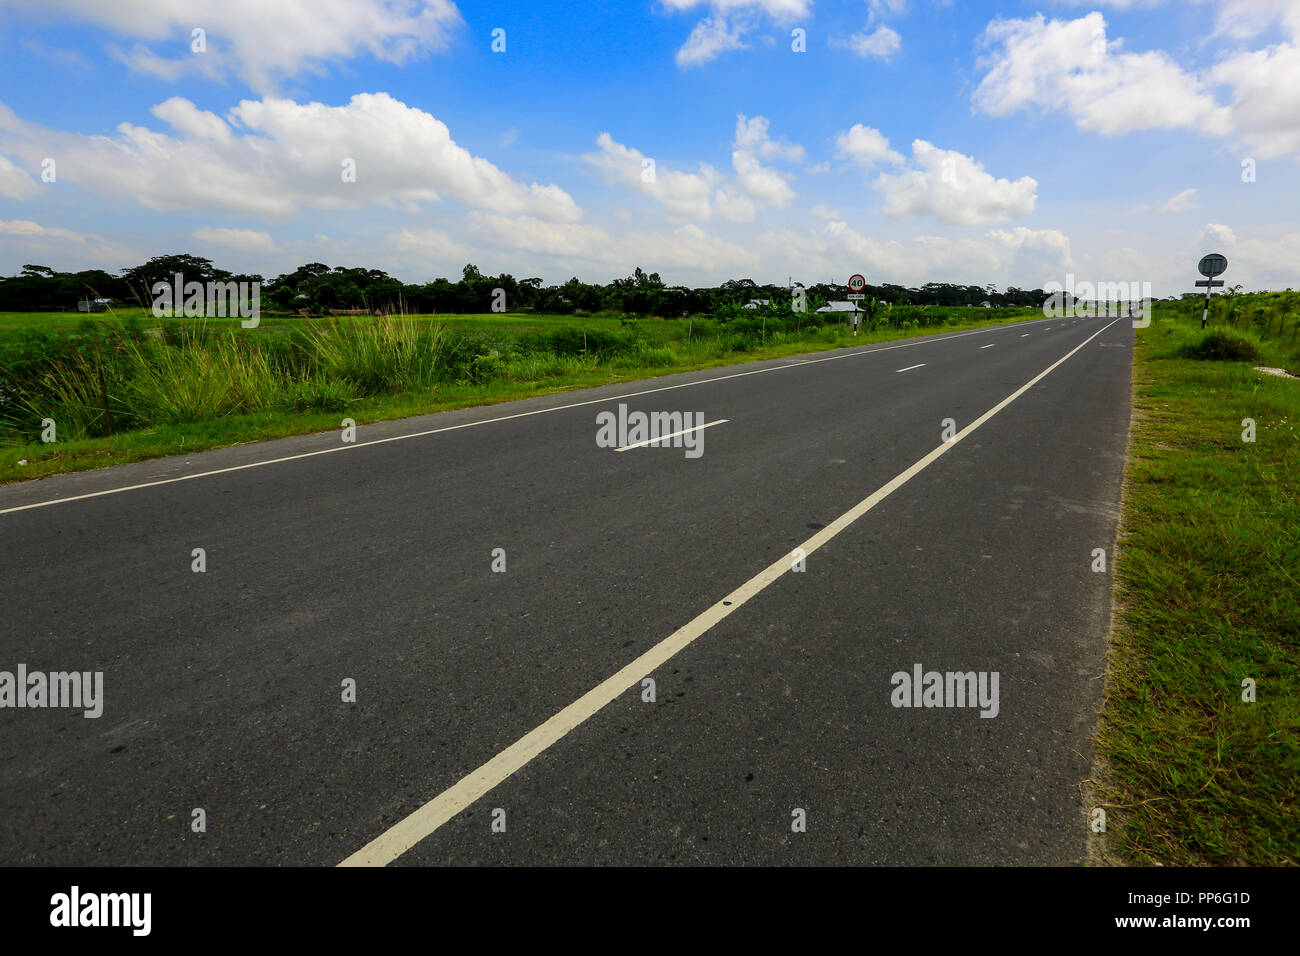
<point>986,346</point>
<point>684,431</point>
<point>502,418</point>
<point>406,833</point>
<point>1026,335</point>
<point>910,367</point>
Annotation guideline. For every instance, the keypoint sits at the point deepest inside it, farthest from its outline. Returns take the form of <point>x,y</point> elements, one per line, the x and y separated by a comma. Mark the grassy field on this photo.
<point>1208,597</point>
<point>127,387</point>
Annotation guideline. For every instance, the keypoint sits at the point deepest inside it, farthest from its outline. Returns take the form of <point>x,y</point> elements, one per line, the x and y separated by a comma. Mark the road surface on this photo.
<point>373,563</point>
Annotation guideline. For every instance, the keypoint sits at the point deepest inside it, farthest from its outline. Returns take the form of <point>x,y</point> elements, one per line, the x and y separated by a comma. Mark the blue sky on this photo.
<point>913,140</point>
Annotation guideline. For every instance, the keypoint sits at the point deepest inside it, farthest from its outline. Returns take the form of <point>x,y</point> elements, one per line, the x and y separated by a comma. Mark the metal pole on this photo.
<point>1205,314</point>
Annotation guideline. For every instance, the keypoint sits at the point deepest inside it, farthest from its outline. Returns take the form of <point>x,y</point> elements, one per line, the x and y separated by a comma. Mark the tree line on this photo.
<point>318,289</point>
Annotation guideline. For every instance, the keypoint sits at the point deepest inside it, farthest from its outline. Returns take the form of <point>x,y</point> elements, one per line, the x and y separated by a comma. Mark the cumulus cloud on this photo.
<point>1072,67</point>
<point>711,37</point>
<point>729,20</point>
<point>881,43</point>
<point>703,194</point>
<point>1265,112</point>
<point>1247,18</point>
<point>865,146</point>
<point>762,183</point>
<point>955,189</point>
<point>261,42</point>
<point>1218,234</point>
<point>685,194</point>
<point>272,157</point>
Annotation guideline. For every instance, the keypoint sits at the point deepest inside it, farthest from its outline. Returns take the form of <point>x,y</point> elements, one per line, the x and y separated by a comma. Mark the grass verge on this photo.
<point>1207,600</point>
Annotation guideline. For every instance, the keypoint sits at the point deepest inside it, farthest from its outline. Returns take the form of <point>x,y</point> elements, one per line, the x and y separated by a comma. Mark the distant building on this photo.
<point>757,304</point>
<point>839,307</point>
<point>93,305</point>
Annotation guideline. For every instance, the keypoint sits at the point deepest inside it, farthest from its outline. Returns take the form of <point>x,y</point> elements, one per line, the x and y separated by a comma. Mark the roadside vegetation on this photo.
<point>1208,596</point>
<point>127,386</point>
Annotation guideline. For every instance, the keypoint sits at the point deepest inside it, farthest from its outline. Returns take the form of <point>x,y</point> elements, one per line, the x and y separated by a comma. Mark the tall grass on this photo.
<point>198,380</point>
<point>381,355</point>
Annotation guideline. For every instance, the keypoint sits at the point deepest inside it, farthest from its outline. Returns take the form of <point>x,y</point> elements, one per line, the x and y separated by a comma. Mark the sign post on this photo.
<point>1210,266</point>
<point>857,282</point>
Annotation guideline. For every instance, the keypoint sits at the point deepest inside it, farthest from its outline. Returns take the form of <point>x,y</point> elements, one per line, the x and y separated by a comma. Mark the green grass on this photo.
<point>1208,595</point>
<point>127,387</point>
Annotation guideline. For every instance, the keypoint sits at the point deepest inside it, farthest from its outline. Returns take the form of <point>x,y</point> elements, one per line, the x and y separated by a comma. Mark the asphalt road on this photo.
<point>373,562</point>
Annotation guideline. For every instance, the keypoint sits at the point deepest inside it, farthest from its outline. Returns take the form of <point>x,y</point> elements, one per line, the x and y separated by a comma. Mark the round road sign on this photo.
<point>1213,265</point>
<point>857,283</point>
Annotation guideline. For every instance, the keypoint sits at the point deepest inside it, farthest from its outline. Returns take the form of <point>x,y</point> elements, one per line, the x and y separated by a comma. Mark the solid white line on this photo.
<point>661,438</point>
<point>910,367</point>
<point>1026,335</point>
<point>406,833</point>
<point>987,346</point>
<point>927,340</point>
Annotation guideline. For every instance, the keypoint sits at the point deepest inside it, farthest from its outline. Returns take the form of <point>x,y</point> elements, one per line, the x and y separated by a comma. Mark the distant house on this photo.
<point>986,304</point>
<point>839,307</point>
<point>757,304</point>
<point>93,305</point>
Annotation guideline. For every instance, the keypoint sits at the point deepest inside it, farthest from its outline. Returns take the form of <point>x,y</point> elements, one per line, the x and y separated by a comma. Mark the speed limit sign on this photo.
<point>857,283</point>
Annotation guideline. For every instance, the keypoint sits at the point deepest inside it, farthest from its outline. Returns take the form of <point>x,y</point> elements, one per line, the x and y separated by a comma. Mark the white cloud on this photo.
<point>1071,66</point>
<point>685,194</point>
<point>882,43</point>
<point>1247,18</point>
<point>1219,234</point>
<point>27,229</point>
<point>865,146</point>
<point>260,41</point>
<point>1180,203</point>
<point>701,195</point>
<point>575,246</point>
<point>884,8</point>
<point>783,10</point>
<point>763,183</point>
<point>248,240</point>
<point>822,211</point>
<point>272,157</point>
<point>955,189</point>
<point>430,245</point>
<point>729,20</point>
<point>1266,98</point>
<point>1020,256</point>
<point>752,136</point>
<point>711,36</point>
<point>15,182</point>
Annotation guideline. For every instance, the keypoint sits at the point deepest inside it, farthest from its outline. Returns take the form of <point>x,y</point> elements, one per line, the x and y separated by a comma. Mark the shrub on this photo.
<point>1220,344</point>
